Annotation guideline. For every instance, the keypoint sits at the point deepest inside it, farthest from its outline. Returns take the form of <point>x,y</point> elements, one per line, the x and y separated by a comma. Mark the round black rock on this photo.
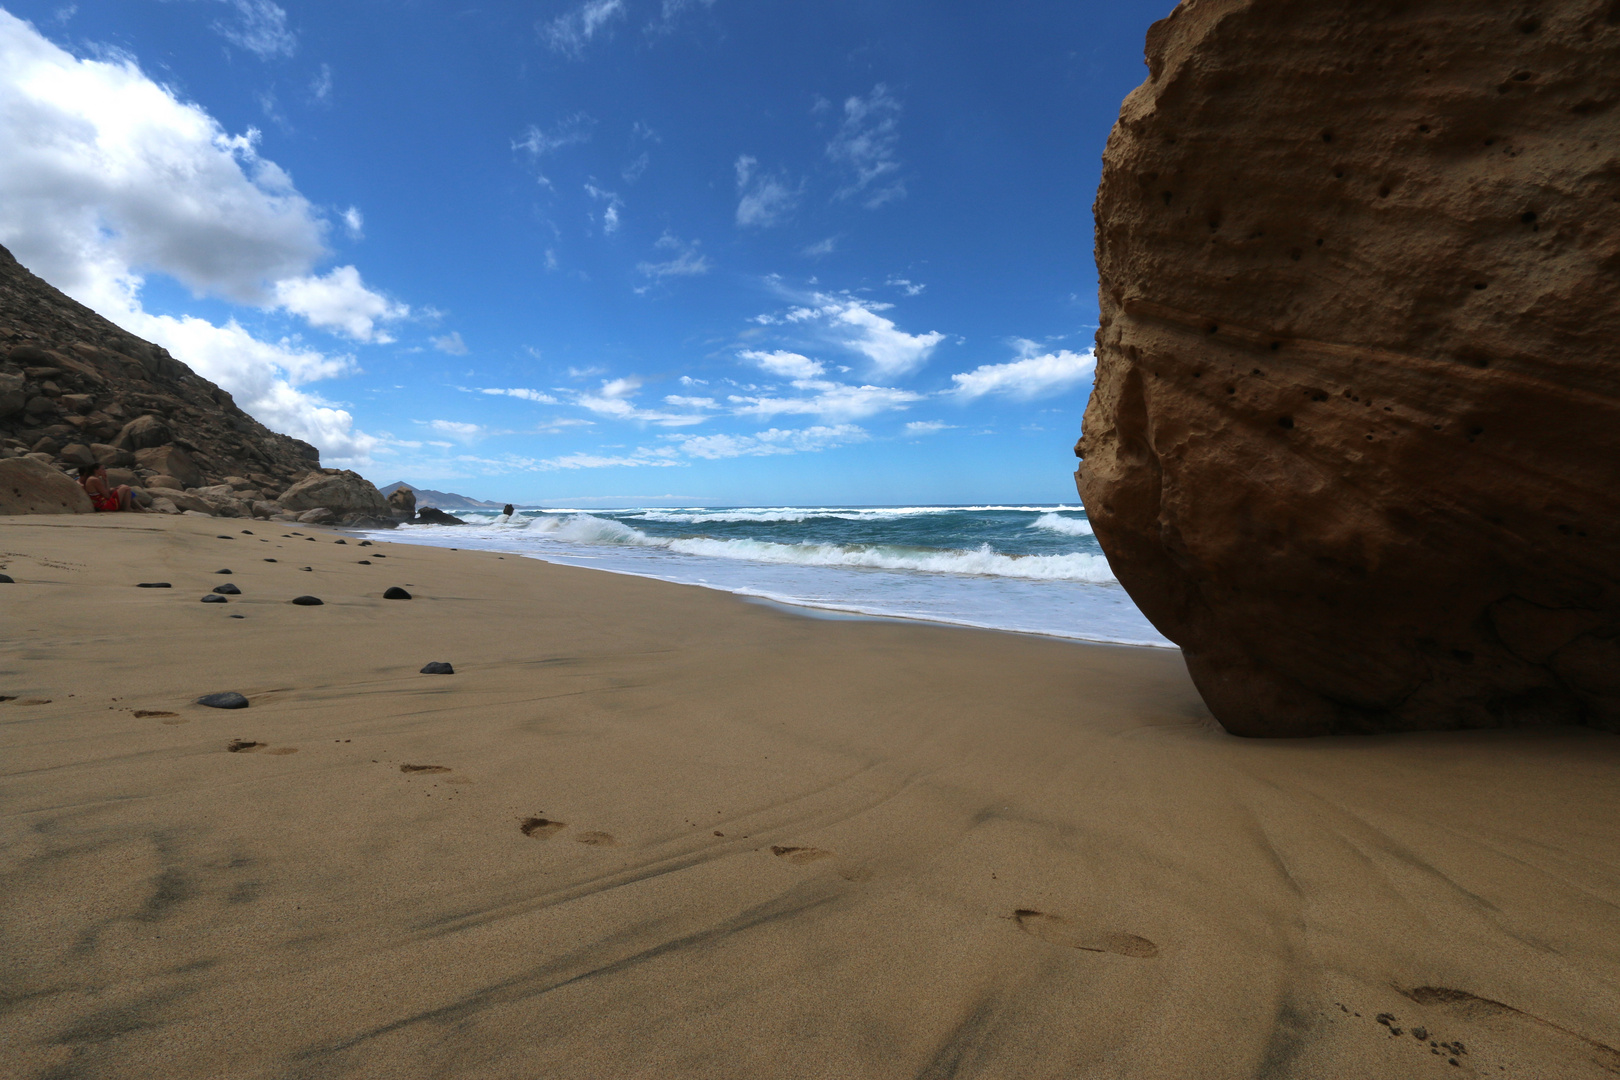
<point>214,598</point>
<point>148,585</point>
<point>228,589</point>
<point>365,562</point>
<point>221,571</point>
<point>396,593</point>
<point>308,601</point>
<point>438,668</point>
<point>340,540</point>
<point>365,543</point>
<point>230,699</point>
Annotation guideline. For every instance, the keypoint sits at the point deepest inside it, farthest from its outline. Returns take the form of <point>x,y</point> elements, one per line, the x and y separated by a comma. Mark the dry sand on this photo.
<point>771,846</point>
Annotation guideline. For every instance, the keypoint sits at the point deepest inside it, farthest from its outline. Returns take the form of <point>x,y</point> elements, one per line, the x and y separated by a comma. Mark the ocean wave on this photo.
<point>791,514</point>
<point>1067,526</point>
<point>983,561</point>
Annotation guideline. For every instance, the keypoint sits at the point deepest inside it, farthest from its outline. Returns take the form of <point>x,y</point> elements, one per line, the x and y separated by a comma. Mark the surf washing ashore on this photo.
<point>1030,569</point>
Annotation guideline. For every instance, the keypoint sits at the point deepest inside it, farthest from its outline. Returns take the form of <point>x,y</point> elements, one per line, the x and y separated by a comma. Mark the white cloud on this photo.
<point>827,399</point>
<point>632,172</point>
<point>320,87</point>
<point>521,392</point>
<point>680,401</point>
<point>354,222</point>
<point>867,145</point>
<point>773,441</point>
<point>571,31</point>
<point>613,401</point>
<point>610,213</point>
<point>687,261</point>
<point>260,27</point>
<point>820,248</point>
<point>106,176</point>
<point>911,288</point>
<point>450,343</point>
<point>656,458</point>
<point>788,365</point>
<point>263,378</point>
<point>1029,378</point>
<point>928,427</point>
<point>340,302</point>
<point>763,199</point>
<point>456,430</point>
<point>570,131</point>
<point>891,350</point>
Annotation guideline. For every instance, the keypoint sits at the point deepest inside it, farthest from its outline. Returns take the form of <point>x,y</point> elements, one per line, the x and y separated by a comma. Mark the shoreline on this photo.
<point>646,830</point>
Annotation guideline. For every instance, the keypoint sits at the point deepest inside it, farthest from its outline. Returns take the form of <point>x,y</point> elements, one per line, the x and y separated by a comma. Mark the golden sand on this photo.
<point>647,830</point>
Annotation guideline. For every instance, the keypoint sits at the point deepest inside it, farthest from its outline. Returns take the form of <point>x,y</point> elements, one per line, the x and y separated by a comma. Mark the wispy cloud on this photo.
<point>687,261</point>
<point>450,343</point>
<point>867,145</point>
<point>763,199</point>
<point>820,248</point>
<point>320,87</point>
<point>354,223</point>
<point>1033,376</point>
<point>928,427</point>
<point>612,205</point>
<point>571,31</point>
<point>769,442</point>
<point>258,26</point>
<point>910,287</point>
<point>613,400</point>
<point>539,143</point>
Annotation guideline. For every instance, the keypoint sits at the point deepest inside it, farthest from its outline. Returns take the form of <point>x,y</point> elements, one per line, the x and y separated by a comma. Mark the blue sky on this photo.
<point>594,251</point>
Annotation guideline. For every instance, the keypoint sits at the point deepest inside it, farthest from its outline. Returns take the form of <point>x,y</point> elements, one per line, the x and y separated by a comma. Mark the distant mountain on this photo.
<point>444,500</point>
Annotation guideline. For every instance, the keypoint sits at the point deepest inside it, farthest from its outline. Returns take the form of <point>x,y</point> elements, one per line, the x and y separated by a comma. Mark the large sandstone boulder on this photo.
<point>170,461</point>
<point>1355,438</point>
<point>32,487</point>
<point>347,494</point>
<point>402,502</point>
<point>12,394</point>
<point>143,432</point>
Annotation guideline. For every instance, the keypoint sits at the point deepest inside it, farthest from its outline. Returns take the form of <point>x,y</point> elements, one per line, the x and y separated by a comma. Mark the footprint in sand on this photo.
<point>597,839</point>
<point>540,828</point>
<point>1057,930</point>
<point>424,768</point>
<point>801,855</point>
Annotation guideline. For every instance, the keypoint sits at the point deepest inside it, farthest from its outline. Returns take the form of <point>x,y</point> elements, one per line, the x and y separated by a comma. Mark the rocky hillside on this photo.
<point>1355,439</point>
<point>75,388</point>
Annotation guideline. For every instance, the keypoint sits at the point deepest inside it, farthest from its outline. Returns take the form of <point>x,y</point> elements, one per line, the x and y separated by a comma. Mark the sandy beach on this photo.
<point>648,830</point>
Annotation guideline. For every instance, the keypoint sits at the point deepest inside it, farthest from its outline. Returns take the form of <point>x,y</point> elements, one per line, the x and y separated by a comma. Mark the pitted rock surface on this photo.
<point>1355,438</point>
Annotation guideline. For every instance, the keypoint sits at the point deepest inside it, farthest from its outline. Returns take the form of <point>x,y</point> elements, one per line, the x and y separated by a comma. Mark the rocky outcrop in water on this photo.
<point>1355,438</point>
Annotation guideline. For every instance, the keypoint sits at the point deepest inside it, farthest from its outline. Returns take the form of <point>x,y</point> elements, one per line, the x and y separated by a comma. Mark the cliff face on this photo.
<point>69,378</point>
<point>1355,438</point>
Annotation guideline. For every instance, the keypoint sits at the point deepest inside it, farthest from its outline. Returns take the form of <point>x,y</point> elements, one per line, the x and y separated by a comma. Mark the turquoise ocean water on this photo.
<point>1029,569</point>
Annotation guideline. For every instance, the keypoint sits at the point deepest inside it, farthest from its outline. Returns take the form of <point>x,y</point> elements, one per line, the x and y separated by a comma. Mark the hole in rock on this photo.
<point>1285,421</point>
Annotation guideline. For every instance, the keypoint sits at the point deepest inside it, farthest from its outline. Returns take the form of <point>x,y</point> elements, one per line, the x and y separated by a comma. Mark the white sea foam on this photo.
<point>980,561</point>
<point>1066,526</point>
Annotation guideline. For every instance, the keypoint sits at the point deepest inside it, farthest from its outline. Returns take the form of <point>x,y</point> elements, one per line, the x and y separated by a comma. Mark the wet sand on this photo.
<point>647,830</point>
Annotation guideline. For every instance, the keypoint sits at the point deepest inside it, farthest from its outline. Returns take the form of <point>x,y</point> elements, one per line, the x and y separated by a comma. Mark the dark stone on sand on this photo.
<point>223,537</point>
<point>214,598</point>
<point>238,616</point>
<point>5,579</point>
<point>365,562</point>
<point>228,589</point>
<point>308,601</point>
<point>247,532</point>
<point>306,568</point>
<point>438,668</point>
<point>221,571</point>
<point>269,560</point>
<point>340,540</point>
<point>396,593</point>
<point>365,543</point>
<point>229,699</point>
<point>374,555</point>
<point>148,585</point>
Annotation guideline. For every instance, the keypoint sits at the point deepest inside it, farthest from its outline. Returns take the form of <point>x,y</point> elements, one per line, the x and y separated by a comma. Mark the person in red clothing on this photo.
<point>103,496</point>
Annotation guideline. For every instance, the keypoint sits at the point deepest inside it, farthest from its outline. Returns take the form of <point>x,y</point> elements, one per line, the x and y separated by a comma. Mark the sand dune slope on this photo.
<point>655,831</point>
